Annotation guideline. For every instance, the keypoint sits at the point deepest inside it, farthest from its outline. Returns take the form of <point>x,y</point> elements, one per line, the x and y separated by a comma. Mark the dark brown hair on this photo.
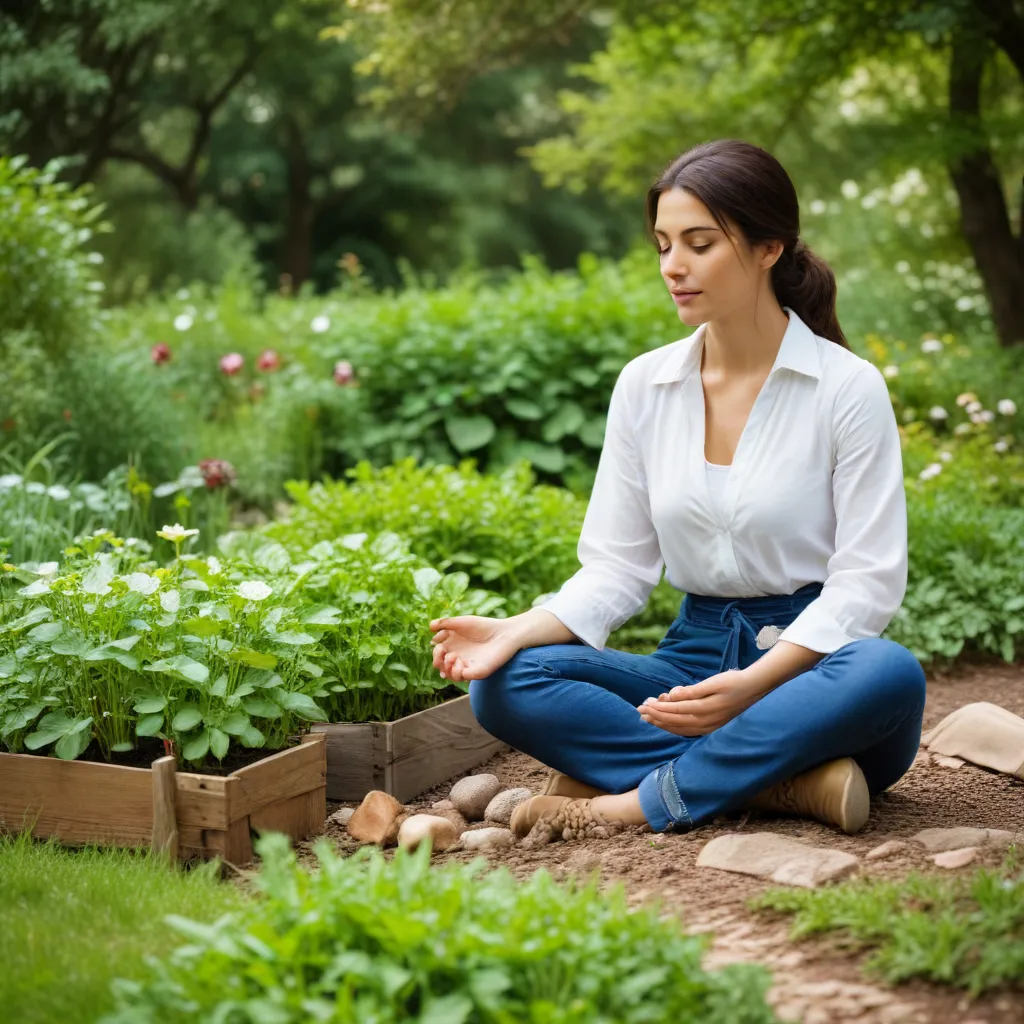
<point>747,184</point>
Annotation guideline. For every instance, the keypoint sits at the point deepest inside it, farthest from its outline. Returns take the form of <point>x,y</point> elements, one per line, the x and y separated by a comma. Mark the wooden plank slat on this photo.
<point>285,774</point>
<point>433,745</point>
<point>297,816</point>
<point>79,801</point>
<point>203,800</point>
<point>356,758</point>
<point>232,844</point>
<point>165,822</point>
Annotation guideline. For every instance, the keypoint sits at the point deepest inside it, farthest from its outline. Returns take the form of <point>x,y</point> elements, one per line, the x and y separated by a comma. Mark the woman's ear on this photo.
<point>771,253</point>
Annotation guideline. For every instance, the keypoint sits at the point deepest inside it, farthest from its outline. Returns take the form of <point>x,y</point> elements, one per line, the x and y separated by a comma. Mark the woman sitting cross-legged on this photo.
<point>757,460</point>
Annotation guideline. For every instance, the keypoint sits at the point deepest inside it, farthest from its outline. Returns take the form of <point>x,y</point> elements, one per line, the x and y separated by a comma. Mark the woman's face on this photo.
<point>709,273</point>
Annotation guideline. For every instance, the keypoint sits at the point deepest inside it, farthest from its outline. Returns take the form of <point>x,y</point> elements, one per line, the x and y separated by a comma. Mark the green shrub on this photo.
<point>509,534</point>
<point>367,939</point>
<point>963,931</point>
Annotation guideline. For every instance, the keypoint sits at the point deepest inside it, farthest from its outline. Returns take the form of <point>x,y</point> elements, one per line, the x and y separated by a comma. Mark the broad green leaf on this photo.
<point>46,632</point>
<point>150,705</point>
<point>71,643</point>
<point>196,747</point>
<point>183,666</point>
<point>426,580</point>
<point>122,748</point>
<point>220,686</point>
<point>321,615</point>
<point>73,744</point>
<point>468,433</point>
<point>294,639</point>
<point>261,707</point>
<point>252,737</point>
<point>235,724</point>
<point>592,432</point>
<point>149,725</point>
<point>256,659</point>
<point>219,743</point>
<point>202,627</point>
<point>300,704</point>
<point>274,557</point>
<point>187,718</point>
<point>524,409</point>
<point>567,420</point>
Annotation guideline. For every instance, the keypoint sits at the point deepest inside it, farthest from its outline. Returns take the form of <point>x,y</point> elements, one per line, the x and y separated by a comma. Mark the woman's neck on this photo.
<point>745,343</point>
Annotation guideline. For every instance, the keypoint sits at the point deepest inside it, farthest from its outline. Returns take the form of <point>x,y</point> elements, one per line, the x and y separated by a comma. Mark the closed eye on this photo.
<point>695,248</point>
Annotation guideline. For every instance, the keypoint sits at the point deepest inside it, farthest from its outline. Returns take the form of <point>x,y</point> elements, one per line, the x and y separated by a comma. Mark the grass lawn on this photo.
<point>71,920</point>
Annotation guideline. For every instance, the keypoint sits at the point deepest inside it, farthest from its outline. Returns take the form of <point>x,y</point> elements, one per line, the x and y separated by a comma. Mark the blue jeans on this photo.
<point>574,709</point>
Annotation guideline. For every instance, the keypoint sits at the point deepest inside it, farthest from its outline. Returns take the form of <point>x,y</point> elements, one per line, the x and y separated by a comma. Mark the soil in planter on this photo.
<point>150,748</point>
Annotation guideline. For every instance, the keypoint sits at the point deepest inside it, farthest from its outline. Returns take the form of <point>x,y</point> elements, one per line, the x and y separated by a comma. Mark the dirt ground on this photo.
<point>816,982</point>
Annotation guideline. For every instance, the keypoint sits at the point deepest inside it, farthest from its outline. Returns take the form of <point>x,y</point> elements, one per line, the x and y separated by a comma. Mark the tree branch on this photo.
<point>1005,27</point>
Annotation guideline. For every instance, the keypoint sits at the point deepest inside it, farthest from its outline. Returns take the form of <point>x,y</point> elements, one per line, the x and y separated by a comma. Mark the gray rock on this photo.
<point>341,817</point>
<point>768,855</point>
<point>472,794</point>
<point>487,839</point>
<point>501,807</point>
<point>419,827</point>
<point>938,840</point>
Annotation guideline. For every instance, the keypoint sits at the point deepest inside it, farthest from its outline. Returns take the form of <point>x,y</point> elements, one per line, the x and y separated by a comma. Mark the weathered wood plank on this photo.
<point>165,822</point>
<point>285,774</point>
<point>356,758</point>
<point>79,801</point>
<point>203,800</point>
<point>296,816</point>
<point>408,756</point>
<point>232,844</point>
<point>433,745</point>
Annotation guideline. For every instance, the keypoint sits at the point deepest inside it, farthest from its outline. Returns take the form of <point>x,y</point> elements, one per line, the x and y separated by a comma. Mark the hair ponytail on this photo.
<point>804,281</point>
<point>746,183</point>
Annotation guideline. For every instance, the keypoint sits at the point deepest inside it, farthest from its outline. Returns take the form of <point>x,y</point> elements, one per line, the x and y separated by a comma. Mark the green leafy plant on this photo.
<point>963,931</point>
<point>366,938</point>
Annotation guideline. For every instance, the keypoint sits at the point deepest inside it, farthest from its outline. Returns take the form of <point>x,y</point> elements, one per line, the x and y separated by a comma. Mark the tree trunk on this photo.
<point>984,216</point>
<point>298,241</point>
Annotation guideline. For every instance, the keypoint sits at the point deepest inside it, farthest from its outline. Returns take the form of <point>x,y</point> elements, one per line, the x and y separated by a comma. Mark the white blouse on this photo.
<point>814,494</point>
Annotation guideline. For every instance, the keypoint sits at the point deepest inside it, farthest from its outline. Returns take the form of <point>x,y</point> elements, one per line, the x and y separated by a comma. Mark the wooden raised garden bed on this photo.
<point>406,757</point>
<point>186,814</point>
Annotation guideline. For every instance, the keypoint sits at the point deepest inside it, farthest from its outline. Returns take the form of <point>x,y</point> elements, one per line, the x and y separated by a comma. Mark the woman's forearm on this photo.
<point>537,628</point>
<point>784,661</point>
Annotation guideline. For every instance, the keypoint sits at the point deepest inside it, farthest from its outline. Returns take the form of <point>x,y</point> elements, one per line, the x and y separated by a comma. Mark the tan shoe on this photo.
<point>560,817</point>
<point>529,812</point>
<point>562,785</point>
<point>835,792</point>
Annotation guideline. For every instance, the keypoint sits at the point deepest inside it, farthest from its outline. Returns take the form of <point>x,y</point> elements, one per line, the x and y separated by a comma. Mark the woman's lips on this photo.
<point>681,298</point>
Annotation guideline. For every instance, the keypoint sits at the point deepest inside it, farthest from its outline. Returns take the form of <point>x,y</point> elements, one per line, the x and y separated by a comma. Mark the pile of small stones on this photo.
<point>381,819</point>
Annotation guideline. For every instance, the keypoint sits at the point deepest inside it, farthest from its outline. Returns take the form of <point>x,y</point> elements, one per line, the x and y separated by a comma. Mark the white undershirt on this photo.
<point>814,494</point>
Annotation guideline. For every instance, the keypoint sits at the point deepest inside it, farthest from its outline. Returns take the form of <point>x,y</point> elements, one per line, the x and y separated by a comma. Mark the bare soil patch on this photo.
<point>816,981</point>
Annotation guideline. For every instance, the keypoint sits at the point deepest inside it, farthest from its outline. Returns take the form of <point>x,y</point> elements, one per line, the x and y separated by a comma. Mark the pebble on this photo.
<point>887,849</point>
<point>936,840</point>
<point>373,818</point>
<point>487,839</point>
<point>342,816</point>
<point>419,827</point>
<point>472,794</point>
<point>504,803</point>
<point>955,858</point>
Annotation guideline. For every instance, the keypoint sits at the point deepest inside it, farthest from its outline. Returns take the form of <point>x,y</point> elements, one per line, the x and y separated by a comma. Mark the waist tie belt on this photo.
<point>739,625</point>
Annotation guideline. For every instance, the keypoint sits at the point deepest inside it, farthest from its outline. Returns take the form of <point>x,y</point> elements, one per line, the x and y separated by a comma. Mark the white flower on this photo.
<point>35,487</point>
<point>176,533</point>
<point>986,416</point>
<point>9,480</point>
<point>319,324</point>
<point>931,470</point>
<point>47,569</point>
<point>962,428</point>
<point>931,345</point>
<point>902,267</point>
<point>254,590</point>
<point>973,407</point>
<point>849,189</point>
<point>1000,446</point>
<point>58,492</point>
<point>142,583</point>
<point>818,206</point>
<point>35,589</point>
<point>182,322</point>
<point>890,372</point>
<point>213,565</point>
<point>1006,406</point>
<point>945,456</point>
<point>936,412</point>
<point>964,303</point>
<point>170,600</point>
<point>967,396</point>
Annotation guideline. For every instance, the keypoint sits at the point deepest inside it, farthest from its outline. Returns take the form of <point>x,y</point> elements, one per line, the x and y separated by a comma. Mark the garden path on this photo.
<point>816,981</point>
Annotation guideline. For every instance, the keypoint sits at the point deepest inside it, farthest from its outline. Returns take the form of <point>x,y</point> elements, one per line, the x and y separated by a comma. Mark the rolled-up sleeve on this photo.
<point>867,575</point>
<point>619,552</point>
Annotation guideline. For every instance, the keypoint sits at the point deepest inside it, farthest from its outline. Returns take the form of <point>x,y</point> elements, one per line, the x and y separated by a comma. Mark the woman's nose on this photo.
<point>674,265</point>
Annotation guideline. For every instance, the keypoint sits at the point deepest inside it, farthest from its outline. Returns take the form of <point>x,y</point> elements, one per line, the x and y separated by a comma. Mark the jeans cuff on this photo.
<point>661,801</point>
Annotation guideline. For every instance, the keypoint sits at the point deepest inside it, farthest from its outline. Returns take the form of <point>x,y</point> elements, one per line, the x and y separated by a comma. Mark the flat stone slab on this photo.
<point>982,733</point>
<point>768,855</point>
<point>955,858</point>
<point>938,840</point>
<point>891,848</point>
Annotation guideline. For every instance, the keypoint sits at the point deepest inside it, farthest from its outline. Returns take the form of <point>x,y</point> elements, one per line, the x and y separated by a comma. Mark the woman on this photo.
<point>757,459</point>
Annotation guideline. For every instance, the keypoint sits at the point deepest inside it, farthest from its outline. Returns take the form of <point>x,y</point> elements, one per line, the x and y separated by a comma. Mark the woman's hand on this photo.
<point>703,707</point>
<point>472,646</point>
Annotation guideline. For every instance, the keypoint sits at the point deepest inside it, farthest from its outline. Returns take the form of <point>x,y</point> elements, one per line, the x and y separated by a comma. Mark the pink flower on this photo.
<point>160,352</point>
<point>269,361</point>
<point>231,363</point>
<point>217,472</point>
<point>343,372</point>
